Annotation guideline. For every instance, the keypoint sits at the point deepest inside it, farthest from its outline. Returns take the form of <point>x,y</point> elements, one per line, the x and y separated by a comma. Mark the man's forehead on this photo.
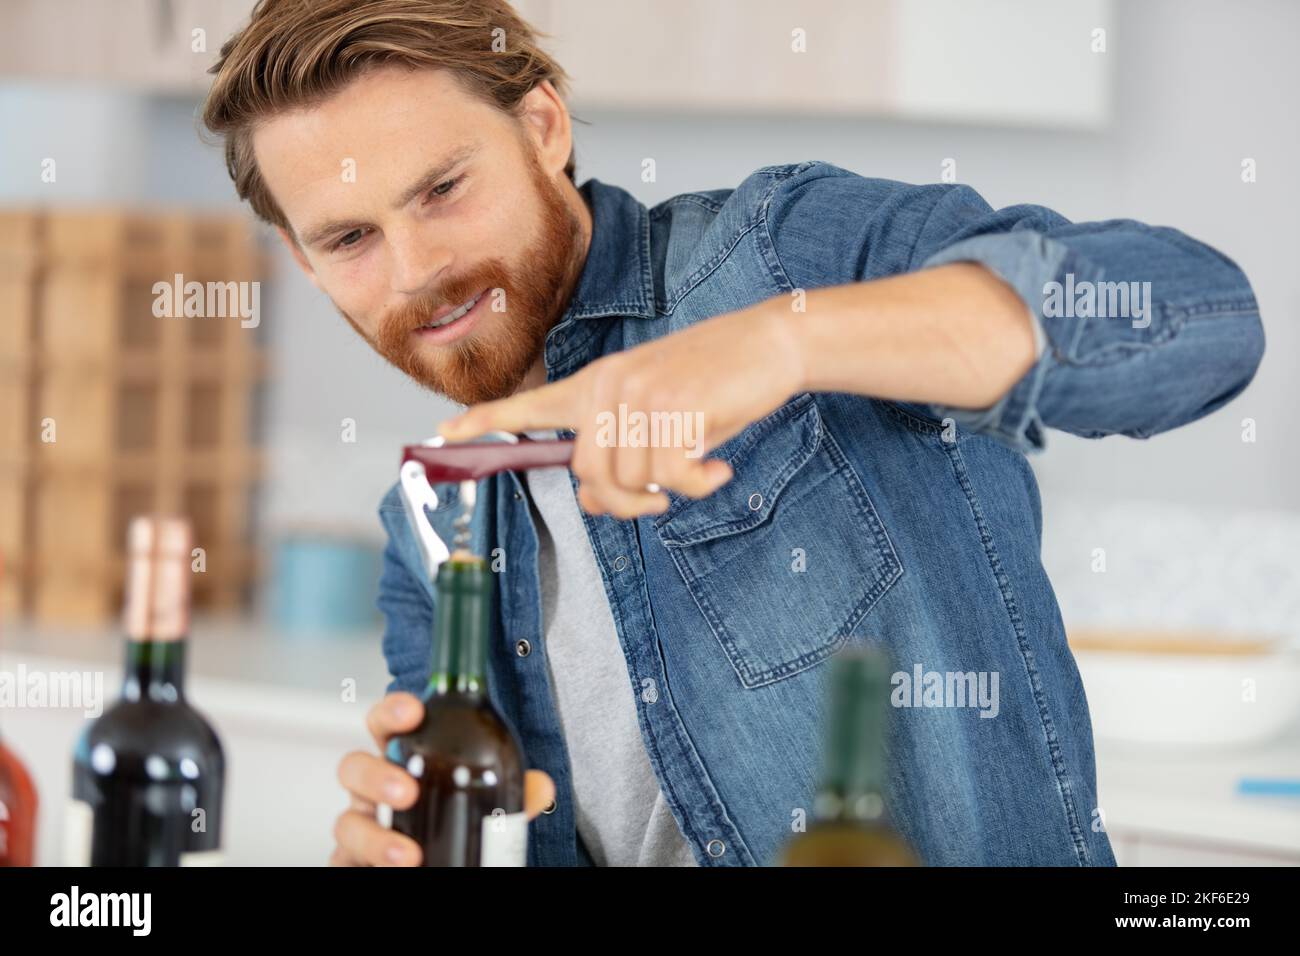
<point>384,110</point>
<point>368,134</point>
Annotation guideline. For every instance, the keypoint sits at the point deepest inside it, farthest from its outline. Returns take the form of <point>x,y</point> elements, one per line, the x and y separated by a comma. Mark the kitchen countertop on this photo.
<point>1189,795</point>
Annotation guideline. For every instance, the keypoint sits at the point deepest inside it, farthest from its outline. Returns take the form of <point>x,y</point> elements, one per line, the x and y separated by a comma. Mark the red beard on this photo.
<point>491,361</point>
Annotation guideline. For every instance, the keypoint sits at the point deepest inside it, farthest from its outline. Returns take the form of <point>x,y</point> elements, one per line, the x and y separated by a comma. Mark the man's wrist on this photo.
<point>788,344</point>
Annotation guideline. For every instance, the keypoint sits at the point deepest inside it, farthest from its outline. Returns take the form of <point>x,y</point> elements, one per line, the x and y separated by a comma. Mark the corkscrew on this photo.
<point>438,461</point>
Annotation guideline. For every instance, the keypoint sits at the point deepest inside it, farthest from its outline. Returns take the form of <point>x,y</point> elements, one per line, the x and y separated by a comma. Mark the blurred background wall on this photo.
<point>1197,87</point>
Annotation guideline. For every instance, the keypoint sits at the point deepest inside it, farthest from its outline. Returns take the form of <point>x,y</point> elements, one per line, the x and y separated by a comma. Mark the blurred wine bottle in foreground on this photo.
<point>17,807</point>
<point>148,774</point>
<point>850,825</point>
<point>466,758</point>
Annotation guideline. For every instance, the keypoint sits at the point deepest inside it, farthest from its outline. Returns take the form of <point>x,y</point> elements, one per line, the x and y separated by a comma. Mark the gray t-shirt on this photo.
<point>620,810</point>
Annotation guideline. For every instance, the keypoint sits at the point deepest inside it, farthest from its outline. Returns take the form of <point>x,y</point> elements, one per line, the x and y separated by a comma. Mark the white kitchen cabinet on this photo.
<point>720,54</point>
<point>1012,62</point>
<point>146,44</point>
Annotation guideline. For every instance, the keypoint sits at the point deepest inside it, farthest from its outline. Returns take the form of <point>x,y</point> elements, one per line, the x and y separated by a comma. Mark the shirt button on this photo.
<point>550,807</point>
<point>755,501</point>
<point>559,338</point>
<point>519,495</point>
<point>523,648</point>
<point>717,848</point>
<point>620,563</point>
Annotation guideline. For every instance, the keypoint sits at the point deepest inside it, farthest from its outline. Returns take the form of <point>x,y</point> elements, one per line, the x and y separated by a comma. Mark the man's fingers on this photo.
<point>341,857</point>
<point>632,466</point>
<point>548,406</point>
<point>618,503</point>
<point>539,792</point>
<point>377,780</point>
<point>368,844</point>
<point>361,804</point>
<point>398,713</point>
<point>692,477</point>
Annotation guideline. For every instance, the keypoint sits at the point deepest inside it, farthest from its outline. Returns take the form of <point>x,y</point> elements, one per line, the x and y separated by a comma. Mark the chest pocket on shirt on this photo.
<point>787,558</point>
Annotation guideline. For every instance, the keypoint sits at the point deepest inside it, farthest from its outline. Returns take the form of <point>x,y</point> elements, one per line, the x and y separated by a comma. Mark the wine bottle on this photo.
<point>17,811</point>
<point>466,759</point>
<point>850,824</point>
<point>148,774</point>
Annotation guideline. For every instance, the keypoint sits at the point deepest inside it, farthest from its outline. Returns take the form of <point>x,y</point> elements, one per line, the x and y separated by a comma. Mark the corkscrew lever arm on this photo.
<point>417,494</point>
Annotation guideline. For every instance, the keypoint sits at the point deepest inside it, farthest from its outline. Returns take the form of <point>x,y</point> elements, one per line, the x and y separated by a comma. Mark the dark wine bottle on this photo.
<point>466,758</point>
<point>148,774</point>
<point>850,824</point>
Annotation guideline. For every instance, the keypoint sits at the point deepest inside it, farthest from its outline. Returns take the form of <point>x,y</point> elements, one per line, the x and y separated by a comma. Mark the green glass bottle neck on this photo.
<point>154,670</point>
<point>460,634</point>
<point>853,774</point>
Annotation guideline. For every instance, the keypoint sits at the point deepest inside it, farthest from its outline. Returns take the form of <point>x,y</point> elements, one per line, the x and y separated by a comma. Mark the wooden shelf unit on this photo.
<point>112,405</point>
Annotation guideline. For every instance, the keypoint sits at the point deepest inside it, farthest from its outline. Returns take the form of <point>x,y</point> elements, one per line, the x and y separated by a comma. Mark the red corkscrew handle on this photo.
<point>473,460</point>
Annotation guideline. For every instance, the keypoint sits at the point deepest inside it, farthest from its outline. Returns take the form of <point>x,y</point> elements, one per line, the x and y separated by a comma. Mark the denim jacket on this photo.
<point>848,520</point>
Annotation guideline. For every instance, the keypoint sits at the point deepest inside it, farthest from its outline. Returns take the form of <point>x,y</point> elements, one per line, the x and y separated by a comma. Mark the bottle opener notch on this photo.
<point>418,494</point>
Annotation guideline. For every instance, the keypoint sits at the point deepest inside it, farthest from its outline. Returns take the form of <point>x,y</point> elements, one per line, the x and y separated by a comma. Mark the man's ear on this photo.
<point>298,256</point>
<point>546,120</point>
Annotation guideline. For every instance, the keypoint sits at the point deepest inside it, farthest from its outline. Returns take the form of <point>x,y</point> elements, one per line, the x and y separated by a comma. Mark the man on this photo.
<point>868,362</point>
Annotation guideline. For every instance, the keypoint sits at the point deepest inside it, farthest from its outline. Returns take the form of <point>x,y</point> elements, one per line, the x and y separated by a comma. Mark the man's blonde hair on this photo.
<point>296,53</point>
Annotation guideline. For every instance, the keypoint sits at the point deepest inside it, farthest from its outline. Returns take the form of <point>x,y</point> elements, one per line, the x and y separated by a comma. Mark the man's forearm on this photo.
<point>953,335</point>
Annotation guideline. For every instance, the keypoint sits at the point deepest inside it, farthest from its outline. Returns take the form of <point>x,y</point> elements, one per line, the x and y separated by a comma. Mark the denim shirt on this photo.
<point>848,520</point>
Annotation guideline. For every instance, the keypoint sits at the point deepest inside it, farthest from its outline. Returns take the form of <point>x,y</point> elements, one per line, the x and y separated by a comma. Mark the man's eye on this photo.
<point>356,235</point>
<point>445,188</point>
<point>350,239</point>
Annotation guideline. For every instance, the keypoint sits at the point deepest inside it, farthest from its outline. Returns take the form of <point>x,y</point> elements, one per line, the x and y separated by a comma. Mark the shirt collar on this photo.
<point>616,278</point>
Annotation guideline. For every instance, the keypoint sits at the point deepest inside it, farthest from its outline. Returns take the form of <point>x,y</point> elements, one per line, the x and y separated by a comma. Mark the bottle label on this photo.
<point>78,826</point>
<point>79,829</point>
<point>203,858</point>
<point>504,839</point>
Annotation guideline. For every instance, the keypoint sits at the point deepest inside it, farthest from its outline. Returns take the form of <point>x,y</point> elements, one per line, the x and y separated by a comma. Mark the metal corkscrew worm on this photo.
<point>438,461</point>
<point>468,495</point>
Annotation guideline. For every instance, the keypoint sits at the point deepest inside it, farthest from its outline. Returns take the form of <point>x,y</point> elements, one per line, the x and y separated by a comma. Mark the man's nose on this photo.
<point>418,262</point>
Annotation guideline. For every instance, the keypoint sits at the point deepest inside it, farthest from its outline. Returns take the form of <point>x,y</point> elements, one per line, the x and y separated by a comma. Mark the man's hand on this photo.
<point>955,335</point>
<point>371,780</point>
<point>716,378</point>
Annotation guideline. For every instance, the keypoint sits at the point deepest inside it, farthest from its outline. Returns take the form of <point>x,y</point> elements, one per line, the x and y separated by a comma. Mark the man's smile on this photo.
<point>450,324</point>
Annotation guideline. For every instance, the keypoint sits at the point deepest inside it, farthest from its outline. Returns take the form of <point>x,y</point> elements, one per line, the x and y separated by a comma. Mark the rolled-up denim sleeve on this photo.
<point>1187,339</point>
<point>408,610</point>
<point>1143,328</point>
